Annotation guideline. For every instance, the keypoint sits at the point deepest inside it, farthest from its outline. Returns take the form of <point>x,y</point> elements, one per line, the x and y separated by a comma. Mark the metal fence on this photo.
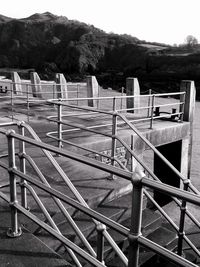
<point>138,179</point>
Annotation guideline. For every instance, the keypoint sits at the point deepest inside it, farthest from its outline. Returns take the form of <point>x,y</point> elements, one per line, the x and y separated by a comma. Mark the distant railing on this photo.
<point>137,178</point>
<point>116,120</point>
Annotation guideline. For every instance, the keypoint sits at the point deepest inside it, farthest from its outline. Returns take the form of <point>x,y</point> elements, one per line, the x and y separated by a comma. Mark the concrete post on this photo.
<point>188,115</point>
<point>61,86</point>
<point>17,87</point>
<point>189,88</point>
<point>36,84</point>
<point>92,90</point>
<point>132,88</point>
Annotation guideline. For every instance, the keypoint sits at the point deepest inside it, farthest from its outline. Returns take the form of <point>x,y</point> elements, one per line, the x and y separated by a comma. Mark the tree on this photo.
<point>191,41</point>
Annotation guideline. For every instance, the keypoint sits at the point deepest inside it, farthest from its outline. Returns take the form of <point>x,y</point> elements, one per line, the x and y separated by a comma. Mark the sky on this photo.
<point>164,21</point>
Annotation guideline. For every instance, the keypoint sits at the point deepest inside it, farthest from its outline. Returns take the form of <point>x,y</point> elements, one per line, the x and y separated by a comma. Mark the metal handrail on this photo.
<point>123,230</point>
<point>68,182</point>
<point>144,181</point>
<point>61,207</point>
<point>152,174</point>
<point>167,162</point>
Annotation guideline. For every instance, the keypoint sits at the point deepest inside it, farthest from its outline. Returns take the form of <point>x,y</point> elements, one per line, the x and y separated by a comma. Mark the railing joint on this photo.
<point>183,208</point>
<point>181,234</point>
<point>21,155</point>
<point>137,177</point>
<point>12,234</point>
<point>133,238</point>
<point>10,133</point>
<point>13,203</point>
<point>186,181</point>
<point>11,169</point>
<point>20,123</point>
<point>101,227</point>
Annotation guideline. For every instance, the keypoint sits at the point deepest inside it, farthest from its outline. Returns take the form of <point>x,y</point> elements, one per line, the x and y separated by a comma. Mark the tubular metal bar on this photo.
<point>14,231</point>
<point>110,167</point>
<point>166,216</point>
<point>75,192</point>
<point>152,110</point>
<point>100,242</point>
<point>114,133</point>
<point>121,97</point>
<point>61,238</point>
<point>80,127</point>
<point>71,155</point>
<point>172,191</point>
<point>99,217</point>
<point>166,116</point>
<point>164,252</point>
<point>170,94</point>
<point>136,219</point>
<point>181,108</point>
<point>159,154</point>
<point>51,222</point>
<point>59,124</point>
<point>115,246</point>
<point>182,223</point>
<point>84,208</point>
<point>171,104</point>
<point>22,168</point>
<point>7,124</point>
<point>62,208</point>
<point>161,210</point>
<point>88,149</point>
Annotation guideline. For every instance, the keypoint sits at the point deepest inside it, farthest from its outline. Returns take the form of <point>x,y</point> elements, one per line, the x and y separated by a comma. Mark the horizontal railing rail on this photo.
<point>138,180</point>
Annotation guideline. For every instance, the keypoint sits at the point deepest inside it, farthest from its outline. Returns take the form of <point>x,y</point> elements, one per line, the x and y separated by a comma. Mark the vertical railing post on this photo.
<point>27,92</point>
<point>182,221</point>
<point>11,95</point>
<point>149,102</point>
<point>14,230</point>
<point>152,111</point>
<point>136,220</point>
<point>22,166</point>
<point>60,124</point>
<point>182,106</point>
<point>132,158</point>
<point>122,94</point>
<point>114,132</point>
<point>77,93</point>
<point>100,241</point>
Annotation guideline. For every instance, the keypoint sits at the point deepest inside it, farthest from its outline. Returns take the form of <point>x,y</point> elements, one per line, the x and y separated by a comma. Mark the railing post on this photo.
<point>132,158</point>
<point>22,167</point>
<point>182,107</point>
<point>77,93</point>
<point>15,230</point>
<point>122,94</point>
<point>11,95</point>
<point>149,102</point>
<point>114,132</point>
<point>136,219</point>
<point>100,241</point>
<point>60,124</point>
<point>152,111</point>
<point>182,221</point>
<point>27,92</point>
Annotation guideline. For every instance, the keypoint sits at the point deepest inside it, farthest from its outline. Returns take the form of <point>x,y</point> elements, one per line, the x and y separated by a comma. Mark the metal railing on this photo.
<point>77,95</point>
<point>61,120</point>
<point>187,185</point>
<point>138,180</point>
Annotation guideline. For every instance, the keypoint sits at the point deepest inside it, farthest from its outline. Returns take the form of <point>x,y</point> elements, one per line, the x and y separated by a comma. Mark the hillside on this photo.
<point>46,41</point>
<point>49,43</point>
